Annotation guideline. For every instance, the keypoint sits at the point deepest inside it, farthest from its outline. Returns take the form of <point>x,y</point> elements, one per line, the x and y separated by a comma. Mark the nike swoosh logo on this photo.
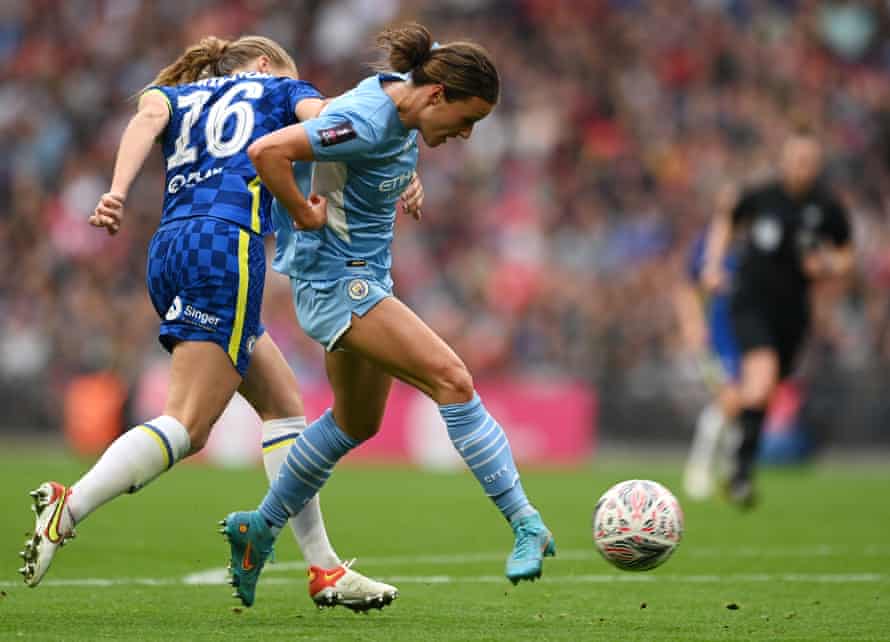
<point>330,577</point>
<point>52,531</point>
<point>246,564</point>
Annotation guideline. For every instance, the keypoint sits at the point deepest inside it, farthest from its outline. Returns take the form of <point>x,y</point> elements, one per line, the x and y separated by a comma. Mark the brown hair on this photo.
<point>464,68</point>
<point>214,56</point>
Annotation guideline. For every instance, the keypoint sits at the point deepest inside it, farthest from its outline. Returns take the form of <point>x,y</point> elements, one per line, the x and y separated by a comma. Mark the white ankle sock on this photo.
<point>129,463</point>
<point>308,524</point>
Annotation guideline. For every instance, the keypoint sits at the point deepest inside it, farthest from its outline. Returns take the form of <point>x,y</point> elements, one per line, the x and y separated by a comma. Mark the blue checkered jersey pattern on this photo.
<point>364,159</point>
<point>212,122</point>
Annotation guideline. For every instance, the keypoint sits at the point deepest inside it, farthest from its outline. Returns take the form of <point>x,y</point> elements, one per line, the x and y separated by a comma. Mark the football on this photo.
<point>637,524</point>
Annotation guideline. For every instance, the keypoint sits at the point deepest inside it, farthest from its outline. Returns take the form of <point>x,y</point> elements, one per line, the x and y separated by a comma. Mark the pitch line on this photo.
<point>217,575</point>
<point>592,578</point>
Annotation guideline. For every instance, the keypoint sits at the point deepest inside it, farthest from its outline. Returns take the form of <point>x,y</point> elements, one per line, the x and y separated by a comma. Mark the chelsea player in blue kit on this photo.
<point>365,148</point>
<point>205,276</point>
<point>716,432</point>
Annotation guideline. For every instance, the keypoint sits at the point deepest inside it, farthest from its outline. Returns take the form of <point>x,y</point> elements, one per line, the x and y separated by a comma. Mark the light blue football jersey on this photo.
<point>212,122</point>
<point>364,159</point>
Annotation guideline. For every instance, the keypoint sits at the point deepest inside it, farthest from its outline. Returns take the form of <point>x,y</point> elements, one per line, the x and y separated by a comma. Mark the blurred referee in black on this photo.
<point>789,232</point>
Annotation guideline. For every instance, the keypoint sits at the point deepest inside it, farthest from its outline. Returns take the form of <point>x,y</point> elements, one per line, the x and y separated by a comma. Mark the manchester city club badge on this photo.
<point>358,289</point>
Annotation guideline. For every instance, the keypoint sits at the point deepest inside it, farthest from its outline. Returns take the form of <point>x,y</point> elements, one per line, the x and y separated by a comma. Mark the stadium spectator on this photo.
<point>593,176</point>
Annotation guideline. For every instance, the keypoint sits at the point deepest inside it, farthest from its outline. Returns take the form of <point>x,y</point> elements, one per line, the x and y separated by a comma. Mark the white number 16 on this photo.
<point>226,107</point>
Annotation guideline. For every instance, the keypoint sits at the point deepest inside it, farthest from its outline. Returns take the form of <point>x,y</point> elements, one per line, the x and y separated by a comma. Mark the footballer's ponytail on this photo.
<point>408,46</point>
<point>214,56</point>
<point>193,63</point>
<point>464,68</point>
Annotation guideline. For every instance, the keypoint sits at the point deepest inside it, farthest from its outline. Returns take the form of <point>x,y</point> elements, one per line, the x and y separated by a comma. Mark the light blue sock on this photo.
<point>484,447</point>
<point>309,463</point>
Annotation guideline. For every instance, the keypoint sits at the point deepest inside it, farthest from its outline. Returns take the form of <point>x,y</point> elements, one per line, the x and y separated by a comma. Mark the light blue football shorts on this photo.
<point>325,310</point>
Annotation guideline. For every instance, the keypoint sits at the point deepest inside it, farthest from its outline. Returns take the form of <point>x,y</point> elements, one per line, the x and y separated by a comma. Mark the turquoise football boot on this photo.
<point>533,543</point>
<point>251,541</point>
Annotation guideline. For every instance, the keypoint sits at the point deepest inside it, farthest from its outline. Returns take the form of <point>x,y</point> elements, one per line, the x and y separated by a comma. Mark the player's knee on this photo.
<point>197,426</point>
<point>730,401</point>
<point>198,436</point>
<point>756,395</point>
<point>278,407</point>
<point>453,383</point>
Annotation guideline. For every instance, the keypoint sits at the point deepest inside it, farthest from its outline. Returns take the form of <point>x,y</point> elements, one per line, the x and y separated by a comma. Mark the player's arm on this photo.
<point>827,261</point>
<point>343,136</point>
<point>411,200</point>
<point>272,155</point>
<point>718,239</point>
<point>690,316</point>
<point>309,108</point>
<point>835,257</point>
<point>151,118</point>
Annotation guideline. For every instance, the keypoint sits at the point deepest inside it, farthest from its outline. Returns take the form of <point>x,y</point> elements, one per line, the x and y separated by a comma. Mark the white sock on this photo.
<point>129,463</point>
<point>308,524</point>
<point>699,475</point>
<point>708,431</point>
<point>730,441</point>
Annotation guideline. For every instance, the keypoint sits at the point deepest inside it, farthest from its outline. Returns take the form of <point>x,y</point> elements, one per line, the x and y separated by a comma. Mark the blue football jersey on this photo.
<point>364,159</point>
<point>695,262</point>
<point>212,122</point>
<point>720,331</point>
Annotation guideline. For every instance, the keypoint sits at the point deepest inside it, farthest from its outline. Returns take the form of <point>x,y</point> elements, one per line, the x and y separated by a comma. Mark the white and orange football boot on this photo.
<point>53,527</point>
<point>341,586</point>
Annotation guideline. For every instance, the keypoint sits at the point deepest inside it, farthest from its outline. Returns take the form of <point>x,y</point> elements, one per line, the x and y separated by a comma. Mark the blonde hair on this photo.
<point>464,68</point>
<point>214,56</point>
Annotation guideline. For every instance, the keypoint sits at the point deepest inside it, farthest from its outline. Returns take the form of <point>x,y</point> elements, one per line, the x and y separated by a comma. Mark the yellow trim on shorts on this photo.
<point>241,304</point>
<point>254,188</point>
<point>160,442</point>
<point>280,444</point>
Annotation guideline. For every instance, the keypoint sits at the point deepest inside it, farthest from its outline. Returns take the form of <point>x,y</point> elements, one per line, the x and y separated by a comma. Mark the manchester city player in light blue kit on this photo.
<point>365,148</point>
<point>205,277</point>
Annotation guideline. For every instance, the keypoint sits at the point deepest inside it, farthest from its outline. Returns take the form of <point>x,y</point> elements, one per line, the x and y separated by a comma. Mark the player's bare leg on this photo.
<point>400,343</point>
<point>760,375</point>
<point>271,388</point>
<point>202,380</point>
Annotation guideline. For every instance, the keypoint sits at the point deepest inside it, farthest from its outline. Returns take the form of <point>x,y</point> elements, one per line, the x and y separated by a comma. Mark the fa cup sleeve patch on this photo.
<point>336,135</point>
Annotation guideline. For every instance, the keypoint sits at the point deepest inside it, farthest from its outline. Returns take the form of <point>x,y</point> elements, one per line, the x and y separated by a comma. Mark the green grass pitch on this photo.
<point>812,562</point>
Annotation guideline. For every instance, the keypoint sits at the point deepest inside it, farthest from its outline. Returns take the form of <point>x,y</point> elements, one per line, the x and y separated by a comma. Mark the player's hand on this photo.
<point>817,264</point>
<point>109,212</point>
<point>315,215</point>
<point>411,200</point>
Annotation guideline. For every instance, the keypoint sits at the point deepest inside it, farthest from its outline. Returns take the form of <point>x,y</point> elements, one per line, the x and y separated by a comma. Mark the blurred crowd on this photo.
<point>551,242</point>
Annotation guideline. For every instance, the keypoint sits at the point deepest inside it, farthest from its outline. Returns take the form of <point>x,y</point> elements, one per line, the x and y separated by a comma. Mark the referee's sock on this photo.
<point>751,421</point>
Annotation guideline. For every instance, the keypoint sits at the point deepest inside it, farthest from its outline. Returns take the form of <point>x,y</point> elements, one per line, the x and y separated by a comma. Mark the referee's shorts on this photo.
<point>761,324</point>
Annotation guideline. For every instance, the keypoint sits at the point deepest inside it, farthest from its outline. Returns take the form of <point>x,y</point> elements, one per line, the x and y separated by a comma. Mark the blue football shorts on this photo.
<point>722,339</point>
<point>325,310</point>
<point>205,278</point>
